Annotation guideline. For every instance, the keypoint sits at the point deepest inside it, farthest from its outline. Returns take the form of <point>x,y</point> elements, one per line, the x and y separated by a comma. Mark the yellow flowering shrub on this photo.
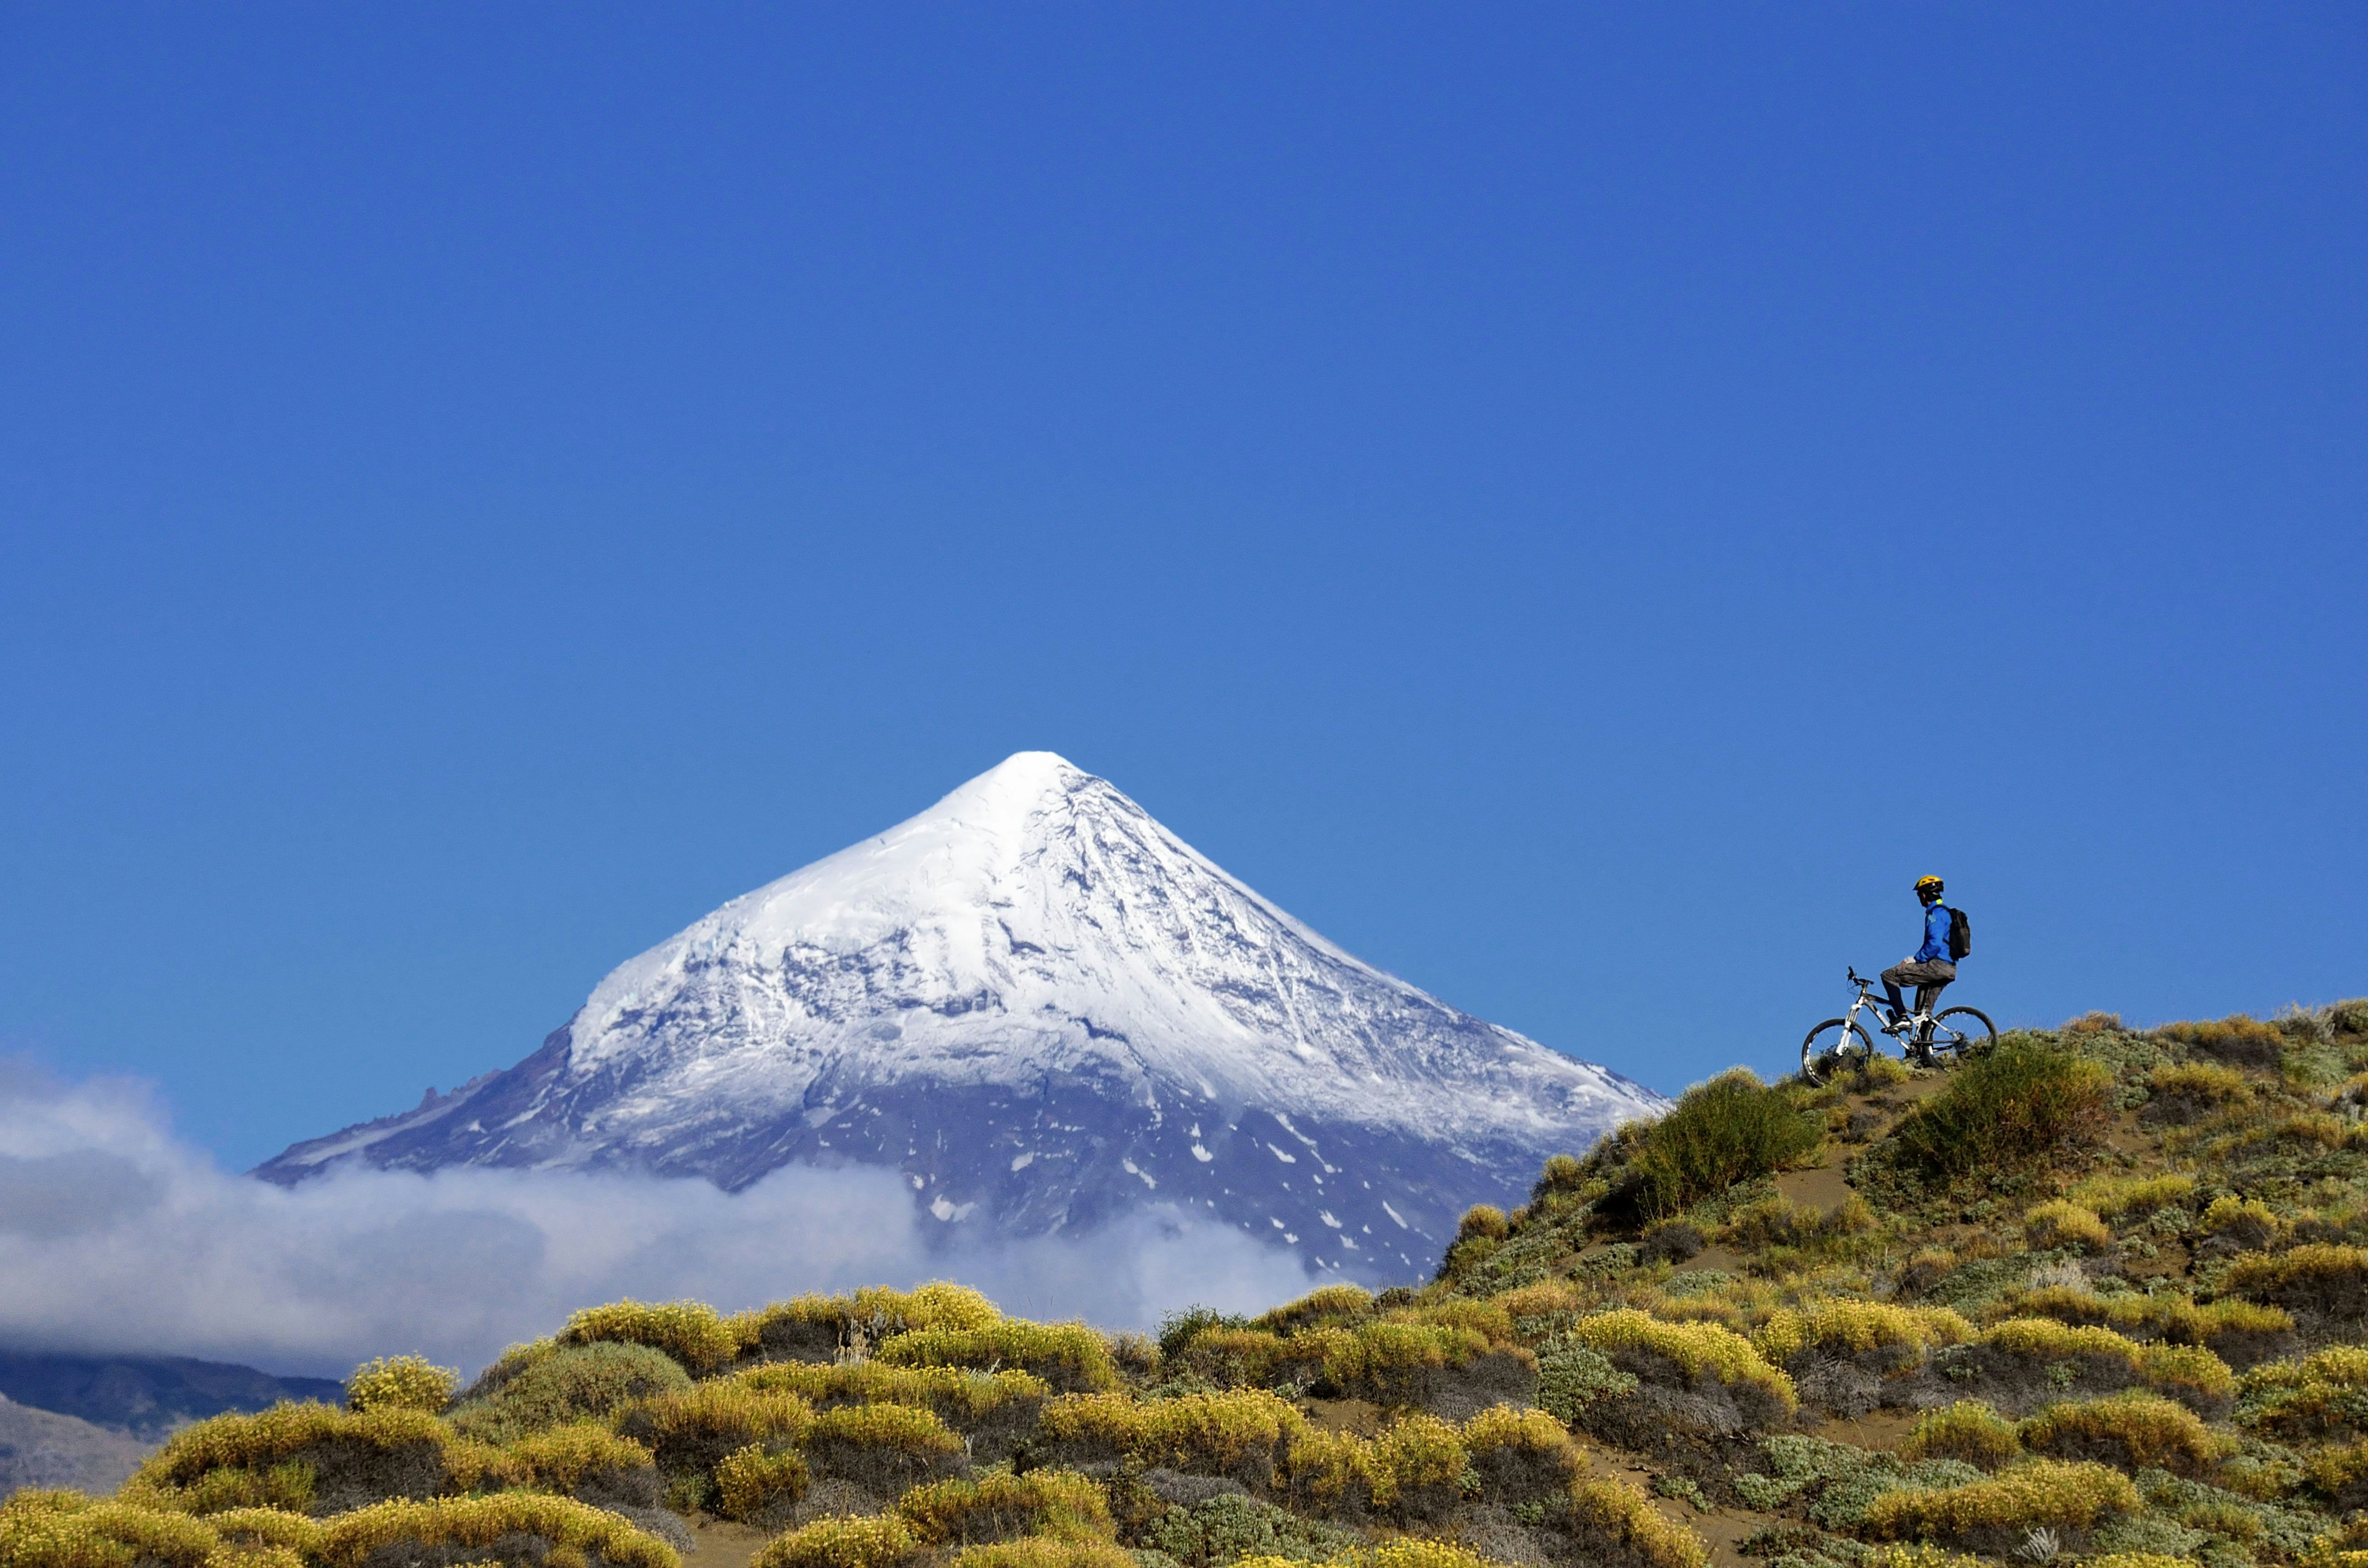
<point>2129,1431</point>
<point>575,1530</point>
<point>2315,1280</point>
<point>1333,1306</point>
<point>2112,1196</point>
<point>1969,1431</point>
<point>960,1394</point>
<point>558,1460</point>
<point>690,1332</point>
<point>1701,1349</point>
<point>66,1529</point>
<point>1044,1552</point>
<point>257,1459</point>
<point>695,1428</point>
<point>1519,1456</point>
<point>1329,1472</point>
<point>1239,1433</point>
<point>2323,1394</point>
<point>883,1540</point>
<point>997,1505</point>
<point>1418,1465</point>
<point>1618,1515</point>
<point>2062,1223</point>
<point>749,1480</point>
<point>1490,1320</point>
<point>1845,1324</point>
<point>2040,1493</point>
<point>401,1383</point>
<point>1069,1356</point>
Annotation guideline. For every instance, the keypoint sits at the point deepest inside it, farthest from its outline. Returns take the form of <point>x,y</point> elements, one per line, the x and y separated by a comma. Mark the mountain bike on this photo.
<point>1930,1040</point>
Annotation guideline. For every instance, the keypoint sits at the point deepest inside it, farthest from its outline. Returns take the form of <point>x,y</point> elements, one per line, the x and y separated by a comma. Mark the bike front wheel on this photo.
<point>1835,1046</point>
<point>1960,1032</point>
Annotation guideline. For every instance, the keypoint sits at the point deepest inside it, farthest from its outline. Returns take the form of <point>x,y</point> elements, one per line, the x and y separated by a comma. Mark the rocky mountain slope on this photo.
<point>1047,1011</point>
<point>2097,1296</point>
<point>42,1448</point>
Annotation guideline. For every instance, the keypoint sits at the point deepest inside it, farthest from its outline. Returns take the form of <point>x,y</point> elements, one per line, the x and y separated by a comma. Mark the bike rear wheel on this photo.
<point>1960,1032</point>
<point>1837,1045</point>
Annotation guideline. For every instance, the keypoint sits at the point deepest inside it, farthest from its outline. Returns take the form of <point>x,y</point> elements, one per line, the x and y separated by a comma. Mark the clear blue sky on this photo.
<point>1581,505</point>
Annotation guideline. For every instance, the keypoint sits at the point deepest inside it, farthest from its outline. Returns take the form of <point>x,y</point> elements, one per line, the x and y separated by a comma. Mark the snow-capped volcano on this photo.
<point>1046,1009</point>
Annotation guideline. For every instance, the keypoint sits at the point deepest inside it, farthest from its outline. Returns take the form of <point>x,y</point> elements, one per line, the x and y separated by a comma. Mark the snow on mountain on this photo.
<point>1047,1011</point>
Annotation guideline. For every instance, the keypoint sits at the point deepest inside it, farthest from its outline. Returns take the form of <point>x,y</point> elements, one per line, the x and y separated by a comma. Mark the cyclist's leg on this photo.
<point>1893,978</point>
<point>1931,979</point>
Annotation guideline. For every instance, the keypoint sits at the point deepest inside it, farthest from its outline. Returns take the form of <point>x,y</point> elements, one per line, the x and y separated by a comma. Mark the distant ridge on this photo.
<point>1047,1012</point>
<point>147,1395</point>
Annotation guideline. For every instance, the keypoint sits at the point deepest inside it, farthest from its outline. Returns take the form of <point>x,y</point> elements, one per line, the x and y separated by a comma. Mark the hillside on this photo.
<point>2097,1296</point>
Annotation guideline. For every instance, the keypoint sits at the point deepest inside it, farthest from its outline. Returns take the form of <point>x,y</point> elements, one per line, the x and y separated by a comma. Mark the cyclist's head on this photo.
<point>1928,888</point>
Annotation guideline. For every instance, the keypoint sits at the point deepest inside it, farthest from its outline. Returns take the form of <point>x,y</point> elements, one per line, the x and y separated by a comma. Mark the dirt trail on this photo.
<point>721,1543</point>
<point>1824,1187</point>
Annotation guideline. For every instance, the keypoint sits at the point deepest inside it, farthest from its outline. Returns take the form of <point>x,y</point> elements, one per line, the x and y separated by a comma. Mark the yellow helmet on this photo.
<point>1924,883</point>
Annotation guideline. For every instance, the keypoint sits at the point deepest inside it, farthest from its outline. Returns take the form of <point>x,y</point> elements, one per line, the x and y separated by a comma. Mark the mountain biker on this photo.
<point>1930,968</point>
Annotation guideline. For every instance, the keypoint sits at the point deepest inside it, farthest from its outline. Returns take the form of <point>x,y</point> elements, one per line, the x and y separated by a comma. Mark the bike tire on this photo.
<point>1834,1044</point>
<point>1970,1034</point>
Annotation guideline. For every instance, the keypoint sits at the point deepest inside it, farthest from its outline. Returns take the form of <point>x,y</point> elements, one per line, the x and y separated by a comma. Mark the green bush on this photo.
<point>2023,1101</point>
<point>560,1385</point>
<point>1727,1130</point>
<point>1224,1530</point>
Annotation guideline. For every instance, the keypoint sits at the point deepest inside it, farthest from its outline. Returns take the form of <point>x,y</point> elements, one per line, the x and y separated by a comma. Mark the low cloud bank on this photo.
<point>117,1236</point>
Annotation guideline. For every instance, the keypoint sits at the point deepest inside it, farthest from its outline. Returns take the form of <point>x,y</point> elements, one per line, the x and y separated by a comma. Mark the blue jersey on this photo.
<point>1936,935</point>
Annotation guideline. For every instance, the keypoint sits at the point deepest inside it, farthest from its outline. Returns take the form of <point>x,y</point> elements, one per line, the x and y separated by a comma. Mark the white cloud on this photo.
<point>114,1235</point>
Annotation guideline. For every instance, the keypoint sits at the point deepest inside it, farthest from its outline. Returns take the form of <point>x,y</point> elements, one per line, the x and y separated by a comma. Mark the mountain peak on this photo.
<point>1037,1001</point>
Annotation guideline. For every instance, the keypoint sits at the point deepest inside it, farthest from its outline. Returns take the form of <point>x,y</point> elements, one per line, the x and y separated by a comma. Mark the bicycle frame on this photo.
<point>1922,1034</point>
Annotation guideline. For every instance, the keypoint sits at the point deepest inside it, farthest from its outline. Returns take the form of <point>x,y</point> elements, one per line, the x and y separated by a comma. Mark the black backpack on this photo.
<point>1960,935</point>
